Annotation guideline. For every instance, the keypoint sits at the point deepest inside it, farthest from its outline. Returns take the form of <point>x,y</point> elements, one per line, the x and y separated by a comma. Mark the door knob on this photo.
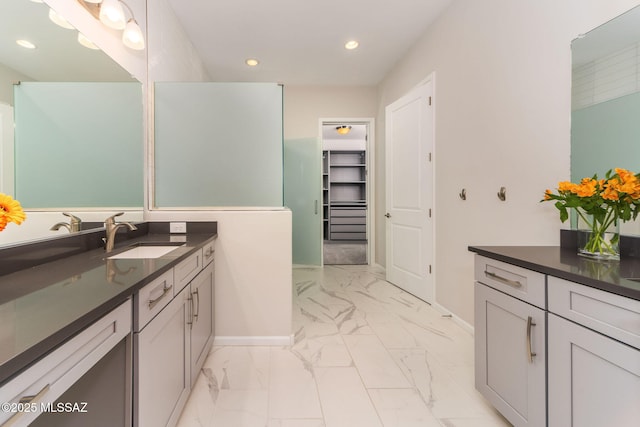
<point>388,215</point>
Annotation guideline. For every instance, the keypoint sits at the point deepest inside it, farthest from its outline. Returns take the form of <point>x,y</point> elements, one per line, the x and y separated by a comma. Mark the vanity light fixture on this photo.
<point>57,19</point>
<point>343,129</point>
<point>351,44</point>
<point>112,14</point>
<point>84,41</point>
<point>252,62</point>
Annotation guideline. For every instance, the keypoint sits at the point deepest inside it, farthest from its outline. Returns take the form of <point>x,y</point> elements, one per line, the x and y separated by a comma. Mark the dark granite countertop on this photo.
<point>45,304</point>
<point>564,262</point>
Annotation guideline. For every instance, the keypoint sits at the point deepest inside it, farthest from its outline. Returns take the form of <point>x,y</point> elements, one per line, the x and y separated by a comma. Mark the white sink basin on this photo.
<point>144,252</point>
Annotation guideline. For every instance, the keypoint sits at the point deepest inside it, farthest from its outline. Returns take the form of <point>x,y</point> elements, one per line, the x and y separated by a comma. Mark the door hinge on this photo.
<point>429,156</point>
<point>429,268</point>
<point>429,100</point>
<point>429,212</point>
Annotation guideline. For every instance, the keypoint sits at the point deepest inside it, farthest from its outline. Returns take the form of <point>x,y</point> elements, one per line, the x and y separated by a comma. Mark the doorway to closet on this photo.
<point>345,192</point>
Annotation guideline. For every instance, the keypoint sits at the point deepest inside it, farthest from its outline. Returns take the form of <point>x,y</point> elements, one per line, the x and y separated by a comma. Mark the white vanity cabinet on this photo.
<point>594,357</point>
<point>510,324</point>
<point>172,346</point>
<point>36,391</point>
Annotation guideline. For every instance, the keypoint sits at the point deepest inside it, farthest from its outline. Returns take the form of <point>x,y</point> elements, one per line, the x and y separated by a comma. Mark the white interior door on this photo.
<point>409,192</point>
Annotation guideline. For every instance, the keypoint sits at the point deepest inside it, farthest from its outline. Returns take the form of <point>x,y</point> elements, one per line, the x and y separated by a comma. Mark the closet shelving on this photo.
<point>344,194</point>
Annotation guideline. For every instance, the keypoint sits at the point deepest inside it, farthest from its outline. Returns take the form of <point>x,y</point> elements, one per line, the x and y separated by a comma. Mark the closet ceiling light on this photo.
<point>251,62</point>
<point>343,129</point>
<point>93,1</point>
<point>351,44</point>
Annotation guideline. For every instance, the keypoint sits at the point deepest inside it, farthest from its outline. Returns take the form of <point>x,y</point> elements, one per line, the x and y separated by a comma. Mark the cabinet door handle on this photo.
<point>530,323</point>
<point>512,283</point>
<point>190,322</point>
<point>26,399</point>
<point>165,290</point>
<point>197,312</point>
<point>316,207</point>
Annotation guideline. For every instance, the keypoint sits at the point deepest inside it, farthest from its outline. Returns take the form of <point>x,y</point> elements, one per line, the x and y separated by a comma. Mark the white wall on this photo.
<point>502,97</point>
<point>304,106</point>
<point>253,274</point>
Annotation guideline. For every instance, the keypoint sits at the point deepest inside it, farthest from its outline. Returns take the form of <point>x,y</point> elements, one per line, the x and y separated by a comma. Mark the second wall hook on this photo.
<point>502,194</point>
<point>463,194</point>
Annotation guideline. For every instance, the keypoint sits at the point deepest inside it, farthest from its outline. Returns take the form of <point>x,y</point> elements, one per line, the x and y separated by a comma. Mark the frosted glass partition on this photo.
<point>79,145</point>
<point>218,144</point>
<point>605,136</point>
<point>303,195</point>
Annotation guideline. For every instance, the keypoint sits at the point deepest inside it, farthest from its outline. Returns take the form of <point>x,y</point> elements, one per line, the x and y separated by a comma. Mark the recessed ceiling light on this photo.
<point>351,44</point>
<point>251,62</point>
<point>26,44</point>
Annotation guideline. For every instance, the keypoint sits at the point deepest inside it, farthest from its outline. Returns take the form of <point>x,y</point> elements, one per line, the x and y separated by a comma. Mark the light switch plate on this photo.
<point>177,227</point>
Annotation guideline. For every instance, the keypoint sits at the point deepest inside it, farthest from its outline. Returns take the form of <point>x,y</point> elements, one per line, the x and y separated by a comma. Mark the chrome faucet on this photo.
<point>73,226</point>
<point>112,228</point>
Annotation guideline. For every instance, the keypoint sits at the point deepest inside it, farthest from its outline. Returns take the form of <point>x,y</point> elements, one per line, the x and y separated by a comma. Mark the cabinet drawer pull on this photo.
<point>26,399</point>
<point>208,252</point>
<point>529,325</point>
<point>165,290</point>
<point>494,276</point>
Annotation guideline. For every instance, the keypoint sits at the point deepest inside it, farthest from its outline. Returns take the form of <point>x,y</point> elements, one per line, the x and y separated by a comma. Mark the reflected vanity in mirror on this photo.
<point>78,119</point>
<point>605,100</point>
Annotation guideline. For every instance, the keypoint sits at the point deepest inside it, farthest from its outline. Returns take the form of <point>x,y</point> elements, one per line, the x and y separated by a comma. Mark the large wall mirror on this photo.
<point>605,104</point>
<point>78,118</point>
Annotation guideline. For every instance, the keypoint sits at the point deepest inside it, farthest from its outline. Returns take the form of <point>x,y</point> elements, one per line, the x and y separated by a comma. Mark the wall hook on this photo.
<point>463,194</point>
<point>502,194</point>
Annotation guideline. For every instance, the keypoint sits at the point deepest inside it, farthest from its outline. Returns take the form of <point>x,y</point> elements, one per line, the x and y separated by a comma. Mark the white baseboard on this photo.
<point>259,340</point>
<point>464,325</point>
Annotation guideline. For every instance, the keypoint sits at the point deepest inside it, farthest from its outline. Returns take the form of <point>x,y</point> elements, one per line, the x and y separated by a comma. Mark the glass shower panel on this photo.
<point>79,145</point>
<point>218,145</point>
<point>302,194</point>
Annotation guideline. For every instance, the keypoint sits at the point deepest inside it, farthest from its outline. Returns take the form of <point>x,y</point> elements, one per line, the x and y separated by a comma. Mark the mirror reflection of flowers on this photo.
<point>10,211</point>
<point>600,203</point>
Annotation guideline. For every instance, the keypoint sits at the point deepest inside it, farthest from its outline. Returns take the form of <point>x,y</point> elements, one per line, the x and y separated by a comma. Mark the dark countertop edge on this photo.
<point>18,364</point>
<point>490,252</point>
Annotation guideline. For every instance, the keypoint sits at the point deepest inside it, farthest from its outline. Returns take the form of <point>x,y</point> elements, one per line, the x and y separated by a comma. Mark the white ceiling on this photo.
<point>301,42</point>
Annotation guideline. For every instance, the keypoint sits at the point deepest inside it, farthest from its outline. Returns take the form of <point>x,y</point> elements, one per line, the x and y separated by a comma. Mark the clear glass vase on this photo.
<point>598,240</point>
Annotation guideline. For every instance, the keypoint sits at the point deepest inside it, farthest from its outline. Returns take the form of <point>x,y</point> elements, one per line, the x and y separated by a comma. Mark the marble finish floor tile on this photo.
<point>365,353</point>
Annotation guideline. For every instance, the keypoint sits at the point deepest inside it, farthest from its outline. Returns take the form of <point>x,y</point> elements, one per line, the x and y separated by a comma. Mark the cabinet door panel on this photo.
<point>162,379</point>
<point>593,380</point>
<point>201,320</point>
<point>506,374</point>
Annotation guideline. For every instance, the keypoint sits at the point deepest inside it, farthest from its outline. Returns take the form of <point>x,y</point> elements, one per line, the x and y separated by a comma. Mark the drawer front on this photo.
<point>153,298</point>
<point>348,220</point>
<point>187,270</point>
<point>527,285</point>
<point>348,236</point>
<point>208,253</point>
<point>48,379</point>
<point>610,314</point>
<point>348,212</point>
<point>348,228</point>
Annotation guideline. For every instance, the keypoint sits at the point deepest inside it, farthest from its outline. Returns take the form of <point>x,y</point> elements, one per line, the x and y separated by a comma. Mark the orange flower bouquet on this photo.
<point>600,203</point>
<point>10,211</point>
